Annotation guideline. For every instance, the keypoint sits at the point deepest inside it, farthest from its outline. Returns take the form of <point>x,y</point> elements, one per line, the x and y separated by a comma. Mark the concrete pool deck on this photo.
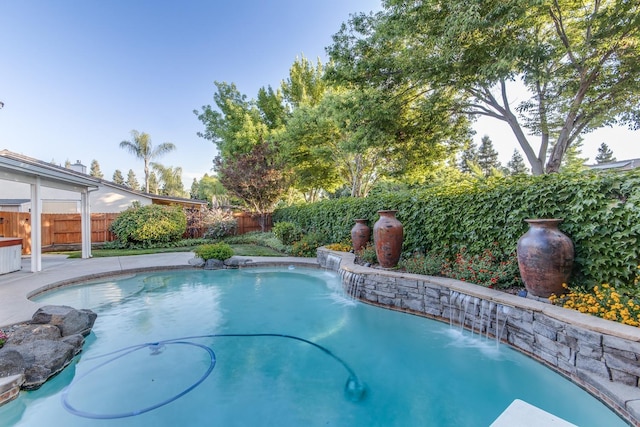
<point>57,270</point>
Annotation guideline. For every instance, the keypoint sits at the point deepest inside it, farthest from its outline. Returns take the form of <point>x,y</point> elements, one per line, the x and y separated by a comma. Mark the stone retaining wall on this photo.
<point>601,356</point>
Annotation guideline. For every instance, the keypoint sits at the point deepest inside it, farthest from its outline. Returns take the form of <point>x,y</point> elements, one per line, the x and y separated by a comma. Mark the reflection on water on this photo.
<point>409,370</point>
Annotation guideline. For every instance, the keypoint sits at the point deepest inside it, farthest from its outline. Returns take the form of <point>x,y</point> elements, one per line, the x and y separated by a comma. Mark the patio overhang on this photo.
<point>18,168</point>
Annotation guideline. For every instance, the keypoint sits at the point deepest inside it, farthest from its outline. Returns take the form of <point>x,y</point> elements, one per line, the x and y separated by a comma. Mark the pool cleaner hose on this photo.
<point>354,389</point>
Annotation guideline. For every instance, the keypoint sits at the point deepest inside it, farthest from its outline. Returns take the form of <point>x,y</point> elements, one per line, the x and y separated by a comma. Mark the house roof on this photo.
<point>16,167</point>
<point>19,161</point>
<point>13,202</point>
<point>620,165</point>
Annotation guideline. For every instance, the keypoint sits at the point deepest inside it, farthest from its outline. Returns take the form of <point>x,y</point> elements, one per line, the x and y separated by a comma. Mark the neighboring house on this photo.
<point>108,198</point>
<point>15,205</point>
<point>622,165</point>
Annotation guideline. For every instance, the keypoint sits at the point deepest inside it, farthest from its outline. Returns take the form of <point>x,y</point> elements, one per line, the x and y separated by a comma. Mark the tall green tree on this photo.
<point>170,180</point>
<point>579,62</point>
<point>235,125</point>
<point>487,156</point>
<point>469,157</point>
<point>117,177</point>
<point>142,148</point>
<point>94,170</point>
<point>605,155</point>
<point>206,188</point>
<point>516,165</point>
<point>132,181</point>
<point>154,183</point>
<point>573,161</point>
<point>306,85</point>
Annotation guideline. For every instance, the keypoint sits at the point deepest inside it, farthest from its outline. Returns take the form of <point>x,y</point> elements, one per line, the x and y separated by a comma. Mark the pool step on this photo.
<point>522,414</point>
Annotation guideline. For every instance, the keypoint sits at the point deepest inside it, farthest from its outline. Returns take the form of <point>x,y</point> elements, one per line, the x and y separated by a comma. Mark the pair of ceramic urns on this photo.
<point>545,254</point>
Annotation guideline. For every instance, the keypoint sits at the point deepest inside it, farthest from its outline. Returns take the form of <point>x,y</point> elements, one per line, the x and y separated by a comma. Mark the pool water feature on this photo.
<point>415,371</point>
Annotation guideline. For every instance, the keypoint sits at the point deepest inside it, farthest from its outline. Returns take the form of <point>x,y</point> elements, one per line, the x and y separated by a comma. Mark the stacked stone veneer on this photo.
<point>600,355</point>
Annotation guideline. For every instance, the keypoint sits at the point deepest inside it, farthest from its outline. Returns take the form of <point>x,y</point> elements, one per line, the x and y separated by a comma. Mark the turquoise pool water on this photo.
<point>416,372</point>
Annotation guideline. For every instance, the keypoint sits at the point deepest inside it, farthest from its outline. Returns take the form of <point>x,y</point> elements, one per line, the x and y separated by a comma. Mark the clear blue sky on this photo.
<point>76,76</point>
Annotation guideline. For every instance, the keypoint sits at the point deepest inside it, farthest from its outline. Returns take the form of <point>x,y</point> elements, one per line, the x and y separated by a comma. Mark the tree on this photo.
<point>306,85</point>
<point>487,156</point>
<point>132,181</point>
<point>579,62</point>
<point>258,178</point>
<point>94,170</point>
<point>143,149</point>
<point>605,155</point>
<point>469,157</point>
<point>516,165</point>
<point>171,179</point>
<point>207,188</point>
<point>67,164</point>
<point>117,177</point>
<point>238,124</point>
<point>572,162</point>
<point>154,185</point>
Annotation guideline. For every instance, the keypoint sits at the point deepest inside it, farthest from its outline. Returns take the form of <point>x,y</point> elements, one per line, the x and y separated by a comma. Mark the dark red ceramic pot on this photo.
<point>545,257</point>
<point>360,234</point>
<point>387,236</point>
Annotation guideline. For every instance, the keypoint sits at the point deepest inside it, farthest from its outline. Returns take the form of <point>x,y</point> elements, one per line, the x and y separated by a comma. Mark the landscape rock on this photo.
<point>213,264</point>
<point>11,362</point>
<point>44,359</point>
<point>45,346</point>
<point>69,320</point>
<point>196,262</point>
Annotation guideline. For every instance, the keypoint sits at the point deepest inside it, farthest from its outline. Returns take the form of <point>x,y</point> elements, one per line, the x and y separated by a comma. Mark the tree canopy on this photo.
<point>579,62</point>
<point>141,147</point>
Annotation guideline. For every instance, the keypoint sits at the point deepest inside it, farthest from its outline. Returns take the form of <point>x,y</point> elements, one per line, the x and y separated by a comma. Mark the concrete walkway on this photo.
<point>58,270</point>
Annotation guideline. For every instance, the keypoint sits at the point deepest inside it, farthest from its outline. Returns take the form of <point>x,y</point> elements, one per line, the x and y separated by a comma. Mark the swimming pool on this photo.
<point>416,371</point>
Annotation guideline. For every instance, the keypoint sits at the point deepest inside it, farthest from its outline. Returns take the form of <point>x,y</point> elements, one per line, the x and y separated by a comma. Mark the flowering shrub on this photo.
<point>3,338</point>
<point>428,264</point>
<point>486,269</point>
<point>341,247</point>
<point>308,245</point>
<point>603,301</point>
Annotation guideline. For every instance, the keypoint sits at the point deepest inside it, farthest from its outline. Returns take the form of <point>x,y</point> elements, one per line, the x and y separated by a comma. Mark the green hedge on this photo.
<point>149,225</point>
<point>601,213</point>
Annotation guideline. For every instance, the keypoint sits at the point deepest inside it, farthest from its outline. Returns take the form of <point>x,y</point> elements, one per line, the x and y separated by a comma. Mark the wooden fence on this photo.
<point>248,223</point>
<point>65,229</point>
<point>57,229</point>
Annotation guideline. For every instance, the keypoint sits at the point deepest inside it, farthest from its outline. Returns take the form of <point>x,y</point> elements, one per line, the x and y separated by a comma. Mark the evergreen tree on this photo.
<point>117,177</point>
<point>132,181</point>
<point>154,185</point>
<point>605,155</point>
<point>95,169</point>
<point>469,158</point>
<point>487,156</point>
<point>516,165</point>
<point>193,192</point>
<point>572,162</point>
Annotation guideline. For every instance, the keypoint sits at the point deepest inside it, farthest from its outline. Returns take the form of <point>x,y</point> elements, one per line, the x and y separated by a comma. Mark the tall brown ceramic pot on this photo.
<point>360,234</point>
<point>387,236</point>
<point>545,257</point>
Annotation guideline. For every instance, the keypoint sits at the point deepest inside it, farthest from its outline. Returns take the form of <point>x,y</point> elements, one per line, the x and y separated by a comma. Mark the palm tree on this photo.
<point>142,148</point>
